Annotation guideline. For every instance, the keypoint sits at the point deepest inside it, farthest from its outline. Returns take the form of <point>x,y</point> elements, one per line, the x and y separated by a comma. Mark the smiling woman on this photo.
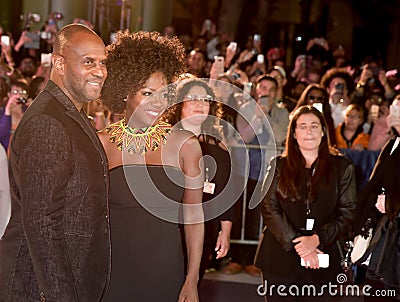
<point>155,174</point>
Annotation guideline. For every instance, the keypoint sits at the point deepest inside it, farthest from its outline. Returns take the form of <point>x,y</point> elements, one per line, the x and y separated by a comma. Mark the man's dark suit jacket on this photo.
<point>56,246</point>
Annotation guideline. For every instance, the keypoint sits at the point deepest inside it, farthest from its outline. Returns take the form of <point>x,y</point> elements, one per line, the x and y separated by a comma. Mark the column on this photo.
<point>156,14</point>
<point>70,9</point>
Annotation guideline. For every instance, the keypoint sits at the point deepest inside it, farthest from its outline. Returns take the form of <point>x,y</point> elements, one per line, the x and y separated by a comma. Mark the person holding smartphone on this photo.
<point>310,196</point>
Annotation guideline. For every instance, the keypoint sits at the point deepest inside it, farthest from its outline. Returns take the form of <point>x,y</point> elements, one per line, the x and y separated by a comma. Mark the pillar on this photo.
<point>156,14</point>
<point>40,7</point>
<point>70,9</point>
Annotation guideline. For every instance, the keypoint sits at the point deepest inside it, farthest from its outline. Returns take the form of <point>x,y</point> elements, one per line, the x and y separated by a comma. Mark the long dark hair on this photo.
<point>291,176</point>
<point>326,108</point>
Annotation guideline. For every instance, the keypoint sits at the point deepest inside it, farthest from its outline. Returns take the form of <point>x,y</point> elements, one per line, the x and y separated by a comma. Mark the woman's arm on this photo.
<point>223,239</point>
<point>190,156</point>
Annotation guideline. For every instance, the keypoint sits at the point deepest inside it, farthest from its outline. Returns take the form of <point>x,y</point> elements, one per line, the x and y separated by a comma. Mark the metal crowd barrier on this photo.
<point>269,149</point>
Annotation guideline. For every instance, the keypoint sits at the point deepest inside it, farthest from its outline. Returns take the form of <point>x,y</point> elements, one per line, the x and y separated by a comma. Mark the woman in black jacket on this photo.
<point>308,207</point>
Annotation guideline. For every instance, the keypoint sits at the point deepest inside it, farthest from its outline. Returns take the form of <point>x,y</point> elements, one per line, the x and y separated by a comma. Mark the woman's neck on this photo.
<point>196,129</point>
<point>310,157</point>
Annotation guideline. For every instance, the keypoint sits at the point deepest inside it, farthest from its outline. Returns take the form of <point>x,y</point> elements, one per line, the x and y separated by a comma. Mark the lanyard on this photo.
<point>308,199</point>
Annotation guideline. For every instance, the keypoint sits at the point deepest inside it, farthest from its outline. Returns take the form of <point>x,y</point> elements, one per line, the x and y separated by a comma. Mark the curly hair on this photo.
<point>133,58</point>
<point>211,125</point>
<point>336,72</point>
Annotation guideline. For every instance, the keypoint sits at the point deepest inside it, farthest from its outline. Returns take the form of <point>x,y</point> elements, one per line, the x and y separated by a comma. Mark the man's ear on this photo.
<point>58,63</point>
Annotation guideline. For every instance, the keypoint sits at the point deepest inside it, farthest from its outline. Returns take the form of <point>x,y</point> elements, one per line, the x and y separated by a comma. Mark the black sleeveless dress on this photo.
<point>147,259</point>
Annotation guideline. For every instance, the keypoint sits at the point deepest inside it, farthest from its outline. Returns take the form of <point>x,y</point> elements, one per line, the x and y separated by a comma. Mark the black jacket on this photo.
<point>56,246</point>
<point>284,220</point>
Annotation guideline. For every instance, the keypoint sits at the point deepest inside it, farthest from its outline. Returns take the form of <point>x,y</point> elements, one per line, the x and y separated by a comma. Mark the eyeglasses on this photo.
<point>200,98</point>
<point>16,91</point>
<point>316,98</point>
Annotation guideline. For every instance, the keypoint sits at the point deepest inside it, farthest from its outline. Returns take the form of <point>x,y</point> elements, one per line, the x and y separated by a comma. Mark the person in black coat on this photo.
<point>308,206</point>
<point>56,246</point>
<point>379,202</point>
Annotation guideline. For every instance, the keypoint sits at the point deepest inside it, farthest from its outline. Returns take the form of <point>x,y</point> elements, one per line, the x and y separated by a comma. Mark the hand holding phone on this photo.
<point>257,38</point>
<point>5,39</point>
<point>374,112</point>
<point>323,260</point>
<point>219,65</point>
<point>232,46</point>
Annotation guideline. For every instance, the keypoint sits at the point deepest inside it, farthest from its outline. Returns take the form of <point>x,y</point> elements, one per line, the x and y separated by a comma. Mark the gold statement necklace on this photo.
<point>138,140</point>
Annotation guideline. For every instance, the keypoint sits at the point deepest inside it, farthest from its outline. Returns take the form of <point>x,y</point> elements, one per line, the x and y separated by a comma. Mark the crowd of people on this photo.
<point>135,162</point>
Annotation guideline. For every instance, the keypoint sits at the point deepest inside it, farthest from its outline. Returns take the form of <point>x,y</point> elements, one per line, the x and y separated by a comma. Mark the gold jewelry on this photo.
<point>138,140</point>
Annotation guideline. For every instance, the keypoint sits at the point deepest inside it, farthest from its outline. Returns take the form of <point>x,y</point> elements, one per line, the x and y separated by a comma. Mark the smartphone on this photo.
<point>260,58</point>
<point>113,37</point>
<point>375,111</point>
<point>45,59</point>
<point>207,24</point>
<point>323,260</point>
<point>35,40</point>
<point>318,106</point>
<point>303,60</point>
<point>257,38</point>
<point>45,35</point>
<point>219,62</point>
<point>233,46</point>
<point>5,40</point>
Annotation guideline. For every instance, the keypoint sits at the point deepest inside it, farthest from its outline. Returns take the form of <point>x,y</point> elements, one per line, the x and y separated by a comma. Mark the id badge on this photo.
<point>209,187</point>
<point>309,224</point>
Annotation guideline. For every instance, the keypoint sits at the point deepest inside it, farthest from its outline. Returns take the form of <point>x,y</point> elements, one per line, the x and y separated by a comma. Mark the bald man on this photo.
<point>56,246</point>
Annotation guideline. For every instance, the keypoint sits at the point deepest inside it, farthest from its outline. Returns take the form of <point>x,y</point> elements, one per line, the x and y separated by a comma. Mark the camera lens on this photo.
<point>22,100</point>
<point>339,87</point>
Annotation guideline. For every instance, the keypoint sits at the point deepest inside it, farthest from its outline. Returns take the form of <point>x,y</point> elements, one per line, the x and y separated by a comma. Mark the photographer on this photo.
<point>338,84</point>
<point>12,113</point>
<point>34,43</point>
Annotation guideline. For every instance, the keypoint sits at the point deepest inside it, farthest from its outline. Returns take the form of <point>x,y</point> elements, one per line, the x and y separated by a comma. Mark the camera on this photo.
<point>337,95</point>
<point>29,19</point>
<point>339,87</point>
<point>56,15</point>
<point>45,35</point>
<point>22,100</point>
<point>235,75</point>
